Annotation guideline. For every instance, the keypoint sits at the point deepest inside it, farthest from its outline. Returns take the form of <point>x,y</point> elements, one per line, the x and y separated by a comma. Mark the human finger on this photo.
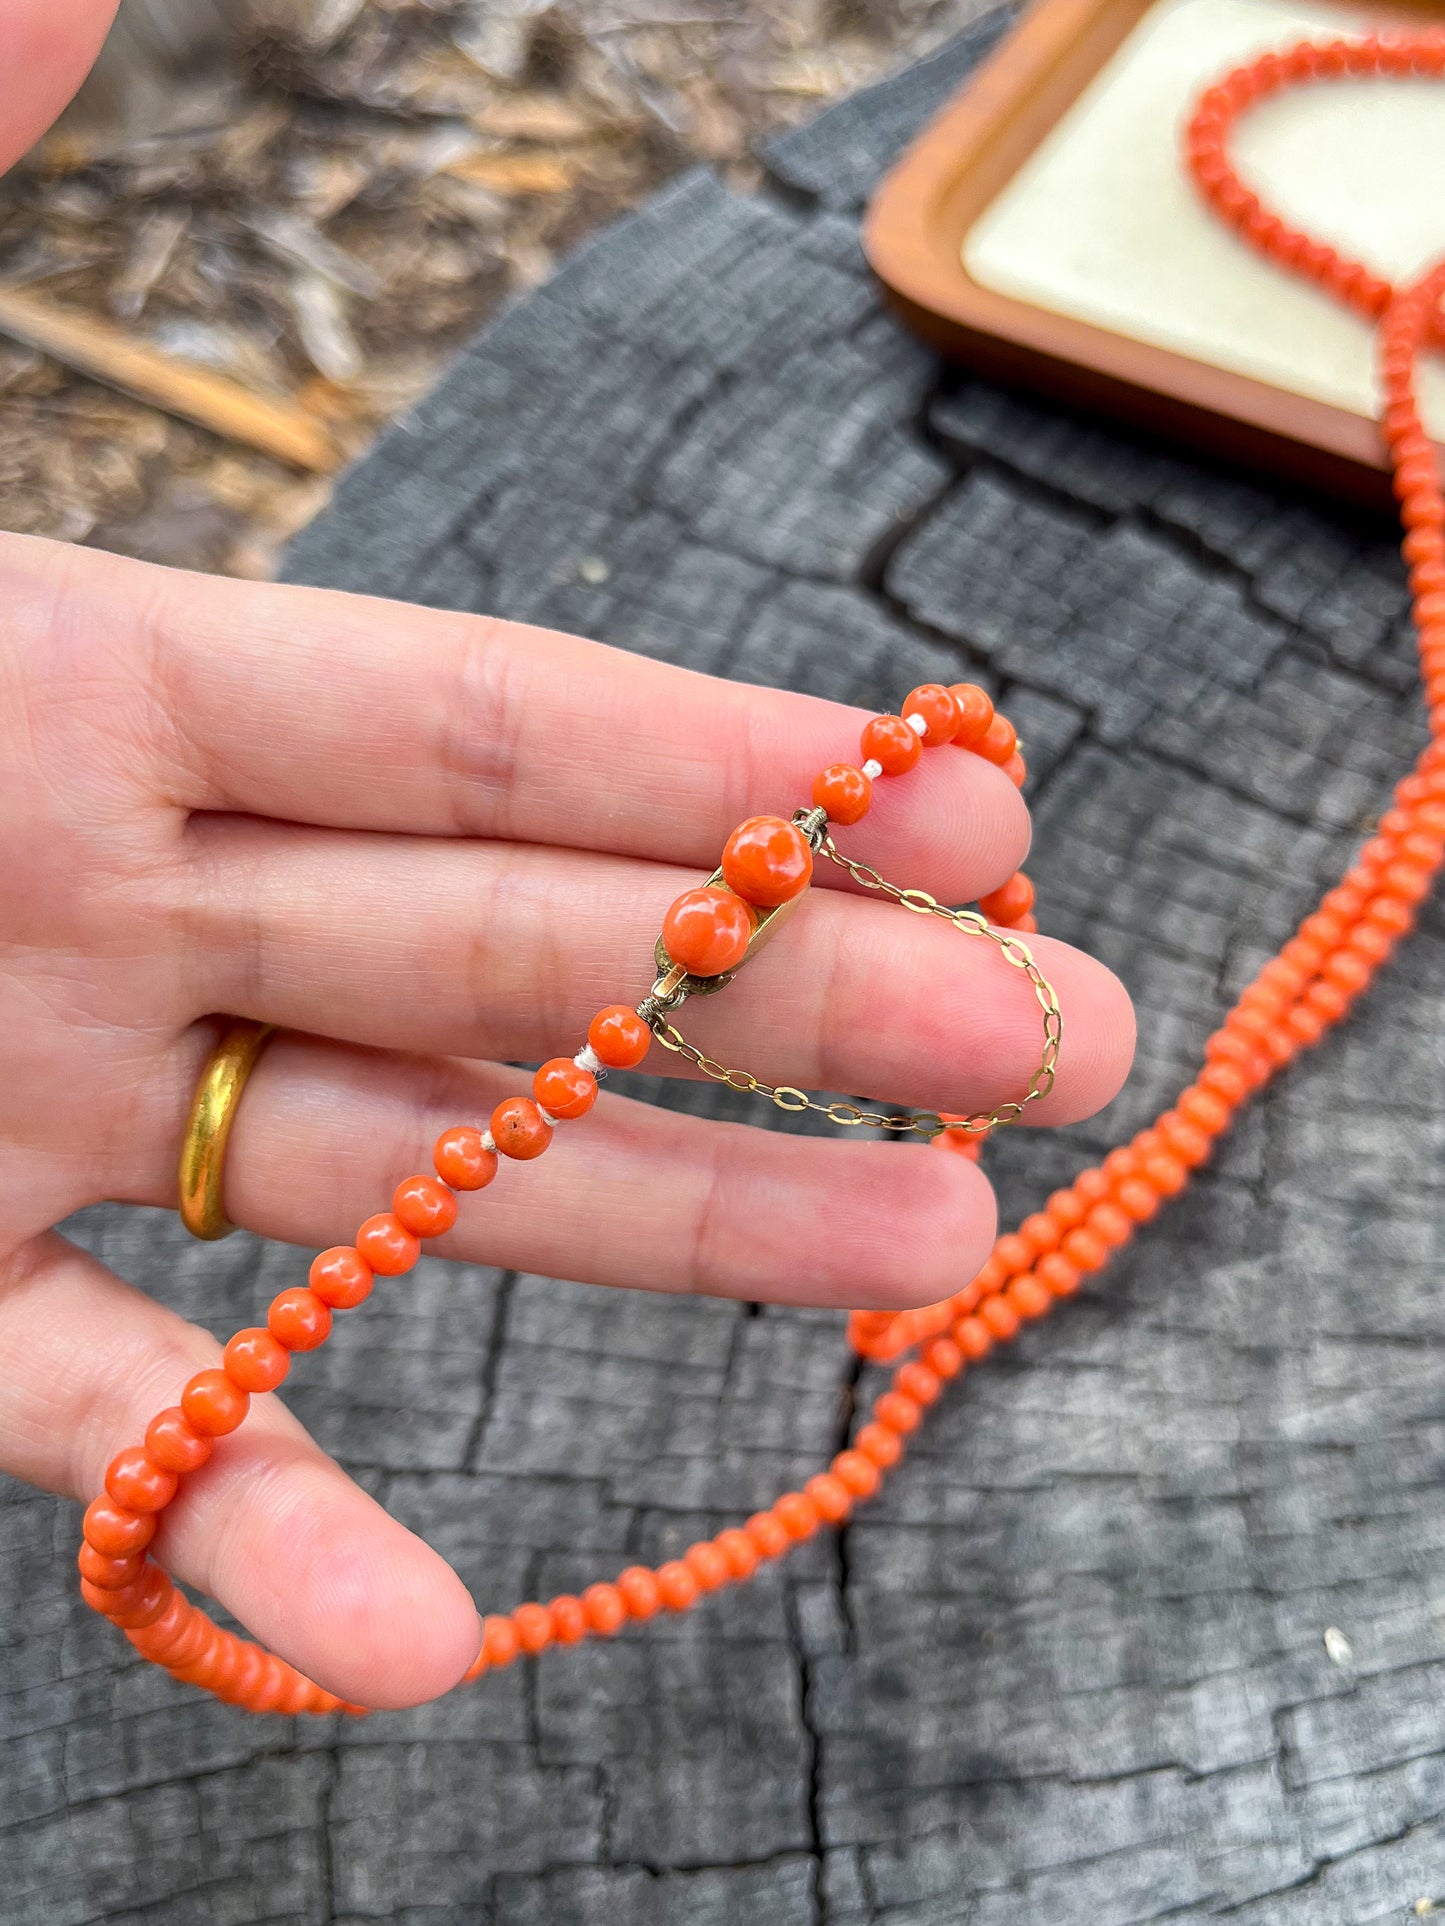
<point>270,1527</point>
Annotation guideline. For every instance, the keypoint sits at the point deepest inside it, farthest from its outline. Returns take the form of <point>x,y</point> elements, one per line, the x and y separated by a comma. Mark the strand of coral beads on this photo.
<point>765,863</point>
<point>1336,951</point>
<point>1293,1000</point>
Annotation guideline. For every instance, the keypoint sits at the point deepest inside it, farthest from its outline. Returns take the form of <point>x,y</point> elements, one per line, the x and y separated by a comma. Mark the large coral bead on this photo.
<point>707,930</point>
<point>767,861</point>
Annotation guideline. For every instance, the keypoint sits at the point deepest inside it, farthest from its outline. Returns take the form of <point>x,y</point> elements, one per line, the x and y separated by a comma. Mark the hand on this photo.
<point>427,844</point>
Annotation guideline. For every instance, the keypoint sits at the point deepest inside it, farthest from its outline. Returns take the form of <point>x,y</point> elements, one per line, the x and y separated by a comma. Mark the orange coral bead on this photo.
<point>1013,1253</point>
<point>605,1610</point>
<point>1007,904</point>
<point>739,1551</point>
<point>213,1404</point>
<point>706,931</point>
<point>1351,973</point>
<point>707,1564</point>
<point>939,709</point>
<point>1113,1225</point>
<point>196,1637</point>
<point>845,792</point>
<point>1016,769</point>
<point>857,1473</point>
<point>116,1531</point>
<point>134,1605</point>
<point>154,1603</point>
<point>500,1644</point>
<point>916,1381</point>
<point>1167,1174</point>
<point>157,1641</point>
<point>386,1244</point>
<point>1091,1186</point>
<point>638,1589</point>
<point>199,1669</point>
<point>1226,1080</point>
<point>1057,1274</point>
<point>215,1663</point>
<point>1138,1198</point>
<point>108,1574</point>
<point>975,713</point>
<point>1326,1000</point>
<point>989,1280</point>
<point>173,1442</point>
<point>888,741</point>
<point>236,1670</point>
<point>1065,1208</point>
<point>107,1600</point>
<point>1409,882</point>
<point>1028,1297</point>
<point>341,1277</point>
<point>676,1586</point>
<point>534,1627</point>
<point>767,861</point>
<point>298,1319</point>
<point>250,1669</point>
<point>1040,1233</point>
<point>424,1207</point>
<point>944,1357</point>
<point>564,1089</point>
<point>881,1443</point>
<point>1305,1025</point>
<point>256,1361</point>
<point>275,1677</point>
<point>973,1337</point>
<point>1085,1249</point>
<point>1000,1316</point>
<point>569,1619</point>
<point>462,1159</point>
<point>797,1514</point>
<point>162,1641</point>
<point>296,1694</point>
<point>519,1129</point>
<point>1188,1142</point>
<point>767,1534</point>
<point>135,1608</point>
<point>219,1665</point>
<point>619,1037</point>
<point>998,742</point>
<point>829,1496</point>
<point>1390,914</point>
<point>1203,1108</point>
<point>896,1412</point>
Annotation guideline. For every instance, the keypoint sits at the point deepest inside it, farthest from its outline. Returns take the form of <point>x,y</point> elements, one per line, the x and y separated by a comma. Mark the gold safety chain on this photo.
<point>923,1123</point>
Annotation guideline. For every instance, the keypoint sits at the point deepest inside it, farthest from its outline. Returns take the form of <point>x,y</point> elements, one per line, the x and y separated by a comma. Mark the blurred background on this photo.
<point>265,225</point>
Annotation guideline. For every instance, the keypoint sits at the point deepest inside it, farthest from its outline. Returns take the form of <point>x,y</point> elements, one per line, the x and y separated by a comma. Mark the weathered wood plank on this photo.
<point>1072,1664</point>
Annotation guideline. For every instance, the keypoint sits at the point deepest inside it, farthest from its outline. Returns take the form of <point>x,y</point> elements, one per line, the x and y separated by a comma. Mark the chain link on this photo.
<point>923,1123</point>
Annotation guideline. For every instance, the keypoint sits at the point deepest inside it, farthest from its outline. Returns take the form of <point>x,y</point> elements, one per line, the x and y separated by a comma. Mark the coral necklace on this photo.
<point>1296,997</point>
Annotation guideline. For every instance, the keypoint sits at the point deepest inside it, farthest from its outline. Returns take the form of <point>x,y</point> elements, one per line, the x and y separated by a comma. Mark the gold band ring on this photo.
<point>213,1111</point>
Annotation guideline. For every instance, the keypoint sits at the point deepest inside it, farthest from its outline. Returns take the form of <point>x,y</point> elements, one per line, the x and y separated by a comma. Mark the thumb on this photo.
<point>271,1527</point>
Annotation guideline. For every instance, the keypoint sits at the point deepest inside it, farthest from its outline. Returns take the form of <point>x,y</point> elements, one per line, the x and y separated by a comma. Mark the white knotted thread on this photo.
<point>872,770</point>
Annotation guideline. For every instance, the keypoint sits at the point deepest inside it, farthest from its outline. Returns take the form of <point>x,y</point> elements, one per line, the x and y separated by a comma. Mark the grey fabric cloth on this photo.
<point>1071,1665</point>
